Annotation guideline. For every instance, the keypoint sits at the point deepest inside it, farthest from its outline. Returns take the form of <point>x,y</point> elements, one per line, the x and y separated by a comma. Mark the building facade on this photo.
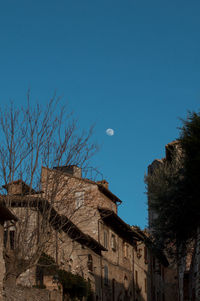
<point>5,216</point>
<point>93,208</point>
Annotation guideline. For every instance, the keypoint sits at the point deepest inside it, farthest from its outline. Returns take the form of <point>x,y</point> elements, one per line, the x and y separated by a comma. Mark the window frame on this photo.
<point>90,263</point>
<point>113,242</point>
<point>79,199</point>
<point>125,249</point>
<point>105,239</point>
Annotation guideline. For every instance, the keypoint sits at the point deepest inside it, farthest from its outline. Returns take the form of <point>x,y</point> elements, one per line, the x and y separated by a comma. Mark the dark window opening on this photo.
<point>105,275</point>
<point>5,238</point>
<point>12,240</point>
<point>113,243</point>
<point>39,276</point>
<point>90,263</point>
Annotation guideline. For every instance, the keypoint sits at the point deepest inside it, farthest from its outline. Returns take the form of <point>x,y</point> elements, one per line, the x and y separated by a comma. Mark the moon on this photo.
<point>110,132</point>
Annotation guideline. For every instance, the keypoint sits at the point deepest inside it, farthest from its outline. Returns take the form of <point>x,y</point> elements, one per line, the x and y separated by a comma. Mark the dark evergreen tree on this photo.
<point>173,190</point>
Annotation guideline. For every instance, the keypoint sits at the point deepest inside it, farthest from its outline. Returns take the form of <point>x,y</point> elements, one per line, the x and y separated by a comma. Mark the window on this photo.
<point>39,276</point>
<point>9,239</point>
<point>5,238</point>
<point>136,277</point>
<point>105,275</point>
<point>12,240</point>
<point>105,239</point>
<point>113,242</point>
<point>90,263</point>
<point>79,198</point>
<point>139,253</point>
<point>125,282</point>
<point>125,247</point>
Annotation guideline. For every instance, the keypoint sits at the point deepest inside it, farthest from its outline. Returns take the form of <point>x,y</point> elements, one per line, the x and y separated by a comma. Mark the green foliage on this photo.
<point>173,189</point>
<point>74,285</point>
<point>47,264</point>
<point>190,142</point>
<point>165,189</point>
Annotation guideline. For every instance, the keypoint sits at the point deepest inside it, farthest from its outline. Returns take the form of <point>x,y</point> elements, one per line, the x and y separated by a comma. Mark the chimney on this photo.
<point>72,170</point>
<point>15,188</point>
<point>104,183</point>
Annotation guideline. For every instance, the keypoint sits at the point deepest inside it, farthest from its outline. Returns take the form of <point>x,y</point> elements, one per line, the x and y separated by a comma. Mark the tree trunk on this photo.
<point>10,280</point>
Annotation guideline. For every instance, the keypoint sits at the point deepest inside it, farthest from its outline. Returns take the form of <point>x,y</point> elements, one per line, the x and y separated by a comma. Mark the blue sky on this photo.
<point>132,65</point>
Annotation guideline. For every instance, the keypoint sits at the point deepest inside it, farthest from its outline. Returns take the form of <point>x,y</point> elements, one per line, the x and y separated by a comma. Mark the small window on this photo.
<point>113,242</point>
<point>105,239</point>
<point>139,253</point>
<point>79,197</point>
<point>5,238</point>
<point>39,276</point>
<point>125,282</point>
<point>125,247</point>
<point>12,240</point>
<point>136,277</point>
<point>90,263</point>
<point>105,275</point>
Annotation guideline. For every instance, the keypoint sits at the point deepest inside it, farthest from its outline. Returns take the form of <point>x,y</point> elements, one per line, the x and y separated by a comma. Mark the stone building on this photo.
<point>151,269</point>
<point>93,208</point>
<point>5,216</point>
<point>87,237</point>
<point>131,267</point>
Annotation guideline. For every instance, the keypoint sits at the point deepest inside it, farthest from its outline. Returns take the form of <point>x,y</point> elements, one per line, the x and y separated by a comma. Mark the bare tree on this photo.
<point>32,137</point>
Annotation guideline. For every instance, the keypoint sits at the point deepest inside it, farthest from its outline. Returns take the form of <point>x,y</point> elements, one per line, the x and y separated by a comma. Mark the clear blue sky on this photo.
<point>131,65</point>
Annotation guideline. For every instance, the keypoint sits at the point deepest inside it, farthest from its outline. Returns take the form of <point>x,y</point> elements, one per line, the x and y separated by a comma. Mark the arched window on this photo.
<point>90,263</point>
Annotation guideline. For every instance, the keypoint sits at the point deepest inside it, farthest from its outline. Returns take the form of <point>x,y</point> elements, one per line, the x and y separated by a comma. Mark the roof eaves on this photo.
<point>56,220</point>
<point>109,194</point>
<point>6,214</point>
<point>151,246</point>
<point>118,225</point>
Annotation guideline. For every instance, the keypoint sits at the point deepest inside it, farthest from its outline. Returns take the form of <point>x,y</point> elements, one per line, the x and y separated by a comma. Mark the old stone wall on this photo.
<point>77,258</point>
<point>31,294</point>
<point>113,272</point>
<point>141,272</point>
<point>2,263</point>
